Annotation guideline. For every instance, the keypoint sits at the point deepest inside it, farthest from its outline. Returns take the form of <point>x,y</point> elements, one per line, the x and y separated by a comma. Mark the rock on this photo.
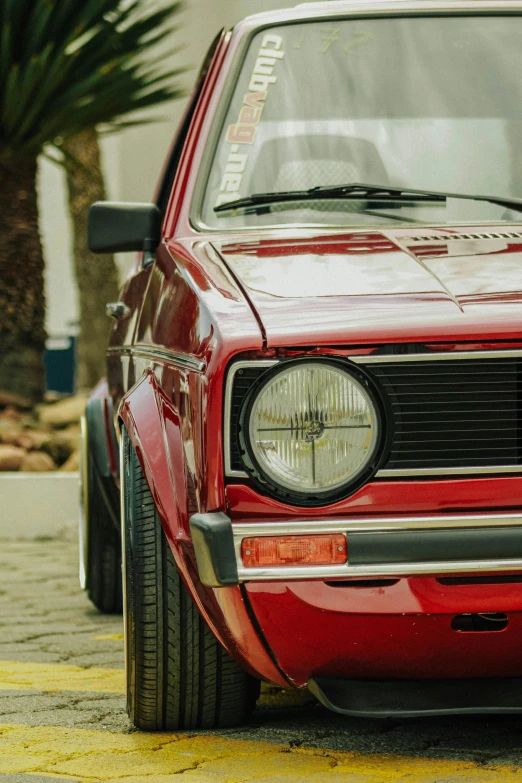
<point>70,435</point>
<point>27,421</point>
<point>24,441</point>
<point>14,400</point>
<point>52,396</point>
<point>60,414</point>
<point>9,435</point>
<point>27,439</point>
<point>56,451</point>
<point>60,445</point>
<point>10,413</point>
<point>32,439</point>
<point>73,463</point>
<point>11,457</point>
<point>37,462</point>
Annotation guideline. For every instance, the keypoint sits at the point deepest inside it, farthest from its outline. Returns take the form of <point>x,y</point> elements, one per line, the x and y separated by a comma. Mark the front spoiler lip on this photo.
<point>418,698</point>
<point>217,543</point>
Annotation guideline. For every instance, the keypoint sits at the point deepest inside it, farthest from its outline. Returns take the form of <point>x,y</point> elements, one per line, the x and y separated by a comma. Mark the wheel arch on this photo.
<point>154,429</point>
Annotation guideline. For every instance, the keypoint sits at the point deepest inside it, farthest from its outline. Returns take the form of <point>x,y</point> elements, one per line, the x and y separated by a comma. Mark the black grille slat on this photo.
<point>490,405</point>
<point>478,433</point>
<point>440,398</point>
<point>434,449</point>
<point>416,443</point>
<point>437,413</point>
<point>445,413</point>
<point>450,373</point>
<point>451,462</point>
<point>470,384</point>
<point>469,441</point>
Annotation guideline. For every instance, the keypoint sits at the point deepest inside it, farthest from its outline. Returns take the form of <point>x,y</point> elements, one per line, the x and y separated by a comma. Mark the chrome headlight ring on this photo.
<point>312,430</point>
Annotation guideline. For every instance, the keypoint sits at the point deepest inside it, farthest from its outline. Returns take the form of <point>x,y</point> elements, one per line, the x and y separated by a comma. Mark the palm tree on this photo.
<point>66,67</point>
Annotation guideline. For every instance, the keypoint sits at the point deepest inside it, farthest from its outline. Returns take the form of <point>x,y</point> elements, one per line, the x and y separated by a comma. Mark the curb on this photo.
<point>35,505</point>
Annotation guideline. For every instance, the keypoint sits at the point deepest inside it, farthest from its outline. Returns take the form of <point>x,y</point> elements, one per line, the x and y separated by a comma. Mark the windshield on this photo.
<point>430,103</point>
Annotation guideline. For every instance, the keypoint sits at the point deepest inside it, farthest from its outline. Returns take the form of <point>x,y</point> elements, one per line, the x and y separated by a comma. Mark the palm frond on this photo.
<point>66,66</point>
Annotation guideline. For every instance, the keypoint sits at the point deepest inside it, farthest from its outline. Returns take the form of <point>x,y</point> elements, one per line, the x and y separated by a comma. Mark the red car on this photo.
<point>315,375</point>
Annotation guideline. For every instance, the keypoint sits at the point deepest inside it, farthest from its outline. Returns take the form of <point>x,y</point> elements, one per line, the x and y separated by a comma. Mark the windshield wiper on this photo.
<point>359,191</point>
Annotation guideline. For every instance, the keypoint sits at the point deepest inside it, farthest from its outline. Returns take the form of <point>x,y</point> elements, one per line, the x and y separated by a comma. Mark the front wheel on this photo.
<point>178,675</point>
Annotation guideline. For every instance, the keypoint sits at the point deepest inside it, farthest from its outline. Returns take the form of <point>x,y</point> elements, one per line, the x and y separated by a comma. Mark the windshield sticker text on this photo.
<point>244,130</point>
<point>328,38</point>
<point>331,36</point>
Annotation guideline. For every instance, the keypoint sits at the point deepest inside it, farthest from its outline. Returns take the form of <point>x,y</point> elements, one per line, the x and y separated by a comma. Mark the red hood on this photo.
<point>401,285</point>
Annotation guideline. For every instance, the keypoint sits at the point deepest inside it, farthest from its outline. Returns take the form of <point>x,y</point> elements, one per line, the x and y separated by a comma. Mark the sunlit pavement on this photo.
<point>62,710</point>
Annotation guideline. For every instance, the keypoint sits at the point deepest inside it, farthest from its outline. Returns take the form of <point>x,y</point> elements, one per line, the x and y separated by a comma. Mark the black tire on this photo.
<point>104,577</point>
<point>104,582</point>
<point>178,675</point>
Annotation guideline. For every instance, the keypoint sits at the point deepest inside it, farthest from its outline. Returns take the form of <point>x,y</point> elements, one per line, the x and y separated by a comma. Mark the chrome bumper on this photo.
<point>377,546</point>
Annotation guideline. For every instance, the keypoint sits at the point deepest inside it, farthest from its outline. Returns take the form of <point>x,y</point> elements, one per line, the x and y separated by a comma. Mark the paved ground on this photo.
<point>62,712</point>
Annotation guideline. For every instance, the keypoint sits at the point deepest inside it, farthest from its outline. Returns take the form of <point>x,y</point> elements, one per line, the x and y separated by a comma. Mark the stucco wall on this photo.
<point>133,159</point>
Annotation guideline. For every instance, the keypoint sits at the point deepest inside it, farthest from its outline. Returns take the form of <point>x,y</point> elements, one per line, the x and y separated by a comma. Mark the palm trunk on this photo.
<point>96,276</point>
<point>22,298</point>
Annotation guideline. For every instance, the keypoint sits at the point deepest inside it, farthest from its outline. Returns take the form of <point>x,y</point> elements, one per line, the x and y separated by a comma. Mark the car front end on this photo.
<point>373,492</point>
<point>371,449</point>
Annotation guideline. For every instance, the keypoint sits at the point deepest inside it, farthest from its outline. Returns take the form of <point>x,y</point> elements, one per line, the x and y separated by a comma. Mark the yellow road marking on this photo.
<point>110,637</point>
<point>53,677</point>
<point>15,675</point>
<point>84,755</point>
<point>87,756</point>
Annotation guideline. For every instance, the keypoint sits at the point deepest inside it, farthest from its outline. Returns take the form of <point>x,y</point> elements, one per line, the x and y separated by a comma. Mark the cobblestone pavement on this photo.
<point>62,711</point>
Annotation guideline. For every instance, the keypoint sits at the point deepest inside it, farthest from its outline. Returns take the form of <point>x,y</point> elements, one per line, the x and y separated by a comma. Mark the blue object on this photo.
<point>60,364</point>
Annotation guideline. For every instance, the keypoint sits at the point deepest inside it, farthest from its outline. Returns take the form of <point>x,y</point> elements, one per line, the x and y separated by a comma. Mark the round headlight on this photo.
<point>312,428</point>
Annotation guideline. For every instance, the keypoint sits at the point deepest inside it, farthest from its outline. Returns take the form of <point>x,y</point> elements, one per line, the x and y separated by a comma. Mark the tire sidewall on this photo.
<point>83,517</point>
<point>127,572</point>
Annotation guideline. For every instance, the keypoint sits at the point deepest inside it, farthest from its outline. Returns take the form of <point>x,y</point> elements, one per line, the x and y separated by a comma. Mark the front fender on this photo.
<point>155,430</point>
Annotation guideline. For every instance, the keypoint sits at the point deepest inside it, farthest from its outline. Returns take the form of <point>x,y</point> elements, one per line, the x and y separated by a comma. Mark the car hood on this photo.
<point>401,285</point>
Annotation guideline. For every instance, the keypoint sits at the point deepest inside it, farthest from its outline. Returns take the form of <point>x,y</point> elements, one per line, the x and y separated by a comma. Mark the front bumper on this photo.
<point>377,546</point>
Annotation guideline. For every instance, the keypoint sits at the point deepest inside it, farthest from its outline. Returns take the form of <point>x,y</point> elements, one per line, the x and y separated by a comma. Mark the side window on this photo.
<point>163,195</point>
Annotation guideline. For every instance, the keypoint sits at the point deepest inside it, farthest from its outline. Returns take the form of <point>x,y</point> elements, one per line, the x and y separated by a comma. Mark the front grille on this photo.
<point>453,413</point>
<point>444,414</point>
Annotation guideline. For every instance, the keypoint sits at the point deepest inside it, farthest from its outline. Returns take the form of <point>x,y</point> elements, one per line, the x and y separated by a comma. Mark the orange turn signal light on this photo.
<point>294,550</point>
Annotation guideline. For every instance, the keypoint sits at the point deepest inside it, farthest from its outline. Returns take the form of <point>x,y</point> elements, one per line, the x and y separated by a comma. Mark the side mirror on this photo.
<point>116,227</point>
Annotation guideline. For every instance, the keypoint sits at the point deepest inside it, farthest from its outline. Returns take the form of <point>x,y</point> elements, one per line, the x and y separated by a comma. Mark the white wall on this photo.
<point>133,159</point>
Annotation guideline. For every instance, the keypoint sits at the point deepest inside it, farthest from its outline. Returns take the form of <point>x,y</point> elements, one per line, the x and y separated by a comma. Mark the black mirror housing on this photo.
<point>118,227</point>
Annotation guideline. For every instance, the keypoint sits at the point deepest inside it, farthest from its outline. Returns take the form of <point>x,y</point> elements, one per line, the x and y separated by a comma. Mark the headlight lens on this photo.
<point>313,428</point>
